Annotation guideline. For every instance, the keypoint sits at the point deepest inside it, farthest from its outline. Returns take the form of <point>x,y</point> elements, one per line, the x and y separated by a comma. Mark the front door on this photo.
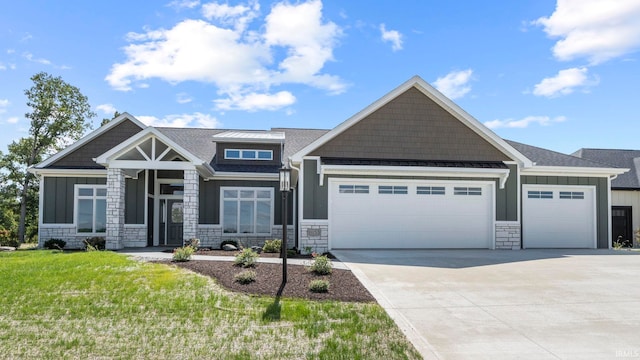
<point>171,218</point>
<point>621,225</point>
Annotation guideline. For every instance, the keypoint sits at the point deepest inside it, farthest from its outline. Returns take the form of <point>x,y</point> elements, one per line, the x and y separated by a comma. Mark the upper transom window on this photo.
<point>248,154</point>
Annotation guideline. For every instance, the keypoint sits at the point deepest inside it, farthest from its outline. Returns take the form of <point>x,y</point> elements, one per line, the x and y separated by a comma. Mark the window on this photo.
<point>467,191</point>
<point>430,190</point>
<point>248,154</point>
<point>540,194</point>
<point>246,210</point>
<point>353,189</point>
<point>575,195</point>
<point>386,189</point>
<point>91,209</point>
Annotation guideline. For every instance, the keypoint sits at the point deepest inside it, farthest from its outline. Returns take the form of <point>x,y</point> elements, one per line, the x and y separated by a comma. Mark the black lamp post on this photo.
<point>285,187</point>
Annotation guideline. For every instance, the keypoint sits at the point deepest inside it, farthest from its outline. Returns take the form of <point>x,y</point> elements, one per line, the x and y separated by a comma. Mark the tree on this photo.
<point>59,115</point>
<point>106,120</point>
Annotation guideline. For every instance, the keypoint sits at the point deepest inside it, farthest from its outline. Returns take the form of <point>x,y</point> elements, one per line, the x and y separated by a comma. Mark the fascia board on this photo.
<point>573,171</point>
<point>411,171</point>
<point>92,135</point>
<point>68,172</point>
<point>244,176</point>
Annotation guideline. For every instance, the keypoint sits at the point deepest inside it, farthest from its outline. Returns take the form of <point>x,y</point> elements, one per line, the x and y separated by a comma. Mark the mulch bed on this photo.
<point>344,286</point>
<point>216,252</point>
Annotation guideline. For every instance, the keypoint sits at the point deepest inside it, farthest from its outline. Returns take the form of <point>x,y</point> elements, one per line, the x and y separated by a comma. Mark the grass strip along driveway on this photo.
<point>104,305</point>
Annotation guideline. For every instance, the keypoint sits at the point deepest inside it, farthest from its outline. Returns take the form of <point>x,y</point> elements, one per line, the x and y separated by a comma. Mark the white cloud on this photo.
<point>392,36</point>
<point>525,122</point>
<point>107,109</point>
<point>12,120</point>
<point>3,66</point>
<point>291,46</point>
<point>29,56</point>
<point>455,84</point>
<point>255,101</point>
<point>597,30</point>
<point>187,4</point>
<point>181,120</point>
<point>4,103</point>
<point>183,98</point>
<point>564,82</point>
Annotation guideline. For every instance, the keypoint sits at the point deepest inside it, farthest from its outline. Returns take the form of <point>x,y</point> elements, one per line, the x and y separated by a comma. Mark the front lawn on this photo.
<point>103,305</point>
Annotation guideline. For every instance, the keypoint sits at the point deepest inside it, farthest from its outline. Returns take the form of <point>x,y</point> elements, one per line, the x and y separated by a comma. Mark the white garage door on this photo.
<point>558,216</point>
<point>382,214</point>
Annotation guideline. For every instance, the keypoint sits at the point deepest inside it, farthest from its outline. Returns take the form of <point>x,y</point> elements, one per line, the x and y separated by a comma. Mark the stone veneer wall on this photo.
<point>65,232</point>
<point>135,236</point>
<point>115,208</point>
<point>314,234</point>
<point>190,201</point>
<point>211,236</point>
<point>508,235</point>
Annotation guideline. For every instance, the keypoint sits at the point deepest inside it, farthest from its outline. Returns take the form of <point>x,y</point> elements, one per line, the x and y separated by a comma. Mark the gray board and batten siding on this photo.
<point>602,203</point>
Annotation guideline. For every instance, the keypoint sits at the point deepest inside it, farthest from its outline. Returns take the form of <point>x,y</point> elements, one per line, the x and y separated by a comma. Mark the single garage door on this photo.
<point>558,216</point>
<point>366,214</point>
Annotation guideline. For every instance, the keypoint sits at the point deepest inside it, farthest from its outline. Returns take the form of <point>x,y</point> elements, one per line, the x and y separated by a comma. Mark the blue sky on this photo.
<point>556,74</point>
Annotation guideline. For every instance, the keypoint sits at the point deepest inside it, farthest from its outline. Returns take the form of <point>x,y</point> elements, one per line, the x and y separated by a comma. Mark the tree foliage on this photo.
<point>105,121</point>
<point>59,115</point>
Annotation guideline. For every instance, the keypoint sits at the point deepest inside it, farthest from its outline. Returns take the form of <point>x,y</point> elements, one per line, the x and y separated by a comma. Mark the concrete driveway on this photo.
<point>528,304</point>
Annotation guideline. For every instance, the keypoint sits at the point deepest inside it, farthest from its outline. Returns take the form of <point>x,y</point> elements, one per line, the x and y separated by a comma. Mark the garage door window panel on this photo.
<point>393,190</point>
<point>540,194</point>
<point>430,190</point>
<point>572,195</point>
<point>474,191</point>
<point>354,189</point>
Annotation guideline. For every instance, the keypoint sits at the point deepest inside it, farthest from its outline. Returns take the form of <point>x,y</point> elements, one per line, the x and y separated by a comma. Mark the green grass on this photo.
<point>103,305</point>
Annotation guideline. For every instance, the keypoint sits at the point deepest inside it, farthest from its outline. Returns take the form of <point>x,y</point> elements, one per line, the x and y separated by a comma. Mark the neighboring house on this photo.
<point>625,190</point>
<point>412,170</point>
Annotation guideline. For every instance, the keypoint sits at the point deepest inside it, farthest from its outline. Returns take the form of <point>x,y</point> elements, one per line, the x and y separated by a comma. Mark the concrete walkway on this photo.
<point>158,254</point>
<point>527,304</point>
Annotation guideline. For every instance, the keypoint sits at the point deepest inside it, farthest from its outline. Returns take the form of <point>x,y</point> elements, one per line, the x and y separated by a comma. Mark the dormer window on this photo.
<point>248,154</point>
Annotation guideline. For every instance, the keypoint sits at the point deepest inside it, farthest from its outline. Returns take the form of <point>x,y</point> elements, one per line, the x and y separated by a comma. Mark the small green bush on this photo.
<point>232,242</point>
<point>182,254</point>
<point>291,253</point>
<point>245,277</point>
<point>7,238</point>
<point>272,246</point>
<point>54,244</point>
<point>95,243</point>
<point>321,265</point>
<point>246,258</point>
<point>194,243</point>
<point>319,286</point>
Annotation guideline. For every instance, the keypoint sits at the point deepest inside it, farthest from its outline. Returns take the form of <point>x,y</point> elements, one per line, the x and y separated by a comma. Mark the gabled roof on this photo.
<point>89,137</point>
<point>619,158</point>
<point>448,105</point>
<point>544,157</point>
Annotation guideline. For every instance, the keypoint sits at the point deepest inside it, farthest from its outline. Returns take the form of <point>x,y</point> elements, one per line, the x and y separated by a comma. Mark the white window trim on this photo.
<point>255,213</point>
<point>76,197</point>
<point>226,156</point>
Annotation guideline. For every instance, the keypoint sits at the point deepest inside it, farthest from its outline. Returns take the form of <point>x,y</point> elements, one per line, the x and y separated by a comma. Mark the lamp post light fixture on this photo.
<point>285,187</point>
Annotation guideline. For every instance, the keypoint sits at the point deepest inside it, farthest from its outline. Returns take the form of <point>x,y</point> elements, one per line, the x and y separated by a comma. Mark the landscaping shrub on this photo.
<point>245,277</point>
<point>55,244</point>
<point>246,258</point>
<point>232,242</point>
<point>8,239</point>
<point>194,243</point>
<point>321,265</point>
<point>291,253</point>
<point>182,254</point>
<point>95,243</point>
<point>272,246</point>
<point>319,286</point>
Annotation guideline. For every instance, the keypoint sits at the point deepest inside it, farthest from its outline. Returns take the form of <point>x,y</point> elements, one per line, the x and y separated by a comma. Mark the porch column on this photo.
<point>115,209</point>
<point>190,204</point>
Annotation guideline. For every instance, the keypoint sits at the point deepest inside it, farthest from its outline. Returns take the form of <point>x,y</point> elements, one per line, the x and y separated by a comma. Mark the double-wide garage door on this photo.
<point>558,216</point>
<point>370,214</point>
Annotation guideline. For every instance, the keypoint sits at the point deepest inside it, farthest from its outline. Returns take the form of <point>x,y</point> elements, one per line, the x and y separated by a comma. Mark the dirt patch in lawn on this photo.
<point>343,285</point>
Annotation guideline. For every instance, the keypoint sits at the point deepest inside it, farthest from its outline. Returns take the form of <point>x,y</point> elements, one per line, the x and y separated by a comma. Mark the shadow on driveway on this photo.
<point>458,259</point>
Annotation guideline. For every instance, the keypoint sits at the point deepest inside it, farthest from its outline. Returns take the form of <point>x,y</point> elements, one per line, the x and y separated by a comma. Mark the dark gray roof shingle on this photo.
<point>629,159</point>
<point>544,157</point>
